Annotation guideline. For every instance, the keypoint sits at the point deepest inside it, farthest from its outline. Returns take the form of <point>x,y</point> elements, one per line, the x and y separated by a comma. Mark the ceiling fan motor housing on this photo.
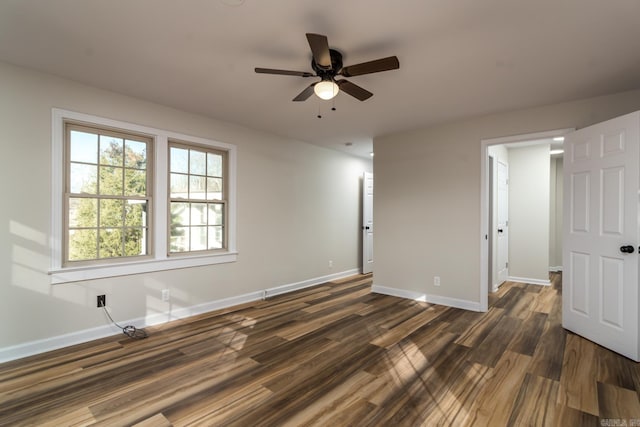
<point>336,66</point>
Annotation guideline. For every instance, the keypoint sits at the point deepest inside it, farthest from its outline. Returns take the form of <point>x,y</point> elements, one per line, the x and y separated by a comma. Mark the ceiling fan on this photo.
<point>327,64</point>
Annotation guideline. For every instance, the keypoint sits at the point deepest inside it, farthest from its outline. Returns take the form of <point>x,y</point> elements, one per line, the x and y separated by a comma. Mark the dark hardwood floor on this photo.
<point>336,355</point>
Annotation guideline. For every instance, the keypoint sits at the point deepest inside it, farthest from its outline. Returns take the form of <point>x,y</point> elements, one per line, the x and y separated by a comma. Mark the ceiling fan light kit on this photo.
<point>326,89</point>
<point>327,64</point>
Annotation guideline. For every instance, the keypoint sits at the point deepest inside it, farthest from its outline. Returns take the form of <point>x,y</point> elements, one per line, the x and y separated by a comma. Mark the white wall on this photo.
<point>529,213</point>
<point>427,202</point>
<point>298,208</point>
<point>555,214</point>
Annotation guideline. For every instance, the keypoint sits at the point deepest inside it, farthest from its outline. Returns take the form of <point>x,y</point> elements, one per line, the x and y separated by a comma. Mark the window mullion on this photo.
<point>161,203</point>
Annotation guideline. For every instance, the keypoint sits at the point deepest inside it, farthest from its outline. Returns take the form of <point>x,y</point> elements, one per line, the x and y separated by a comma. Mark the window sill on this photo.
<point>77,274</point>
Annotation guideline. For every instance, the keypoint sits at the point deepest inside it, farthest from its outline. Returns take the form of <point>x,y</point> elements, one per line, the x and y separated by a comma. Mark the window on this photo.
<point>197,198</point>
<point>130,199</point>
<point>107,195</point>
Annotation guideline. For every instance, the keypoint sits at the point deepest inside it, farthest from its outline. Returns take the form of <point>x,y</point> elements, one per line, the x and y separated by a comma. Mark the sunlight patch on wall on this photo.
<point>27,271</point>
<point>75,293</point>
<point>29,266</point>
<point>155,306</point>
<point>28,278</point>
<point>27,233</point>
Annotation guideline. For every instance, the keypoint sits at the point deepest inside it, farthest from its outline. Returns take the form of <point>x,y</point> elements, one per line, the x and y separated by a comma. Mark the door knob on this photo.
<point>500,230</point>
<point>627,249</point>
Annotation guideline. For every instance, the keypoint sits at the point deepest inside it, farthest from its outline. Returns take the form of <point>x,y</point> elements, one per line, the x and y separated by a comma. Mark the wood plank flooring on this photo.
<point>336,355</point>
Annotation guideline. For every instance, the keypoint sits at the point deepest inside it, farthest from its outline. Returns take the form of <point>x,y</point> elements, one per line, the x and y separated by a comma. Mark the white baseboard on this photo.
<point>557,268</point>
<point>454,302</point>
<point>433,299</point>
<point>401,293</point>
<point>528,280</point>
<point>270,292</point>
<point>41,346</point>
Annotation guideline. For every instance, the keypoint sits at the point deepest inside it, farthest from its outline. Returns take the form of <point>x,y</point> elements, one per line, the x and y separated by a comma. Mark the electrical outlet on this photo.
<point>166,295</point>
<point>330,264</point>
<point>436,280</point>
<point>102,301</point>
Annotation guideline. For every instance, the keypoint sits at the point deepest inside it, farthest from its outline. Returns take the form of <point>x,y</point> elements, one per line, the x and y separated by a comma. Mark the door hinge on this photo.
<point>506,264</point>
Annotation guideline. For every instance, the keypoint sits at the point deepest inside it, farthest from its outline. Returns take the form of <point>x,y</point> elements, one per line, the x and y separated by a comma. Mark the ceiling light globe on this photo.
<point>326,89</point>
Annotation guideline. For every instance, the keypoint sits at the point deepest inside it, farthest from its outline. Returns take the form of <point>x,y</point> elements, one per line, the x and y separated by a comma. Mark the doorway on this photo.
<point>489,210</point>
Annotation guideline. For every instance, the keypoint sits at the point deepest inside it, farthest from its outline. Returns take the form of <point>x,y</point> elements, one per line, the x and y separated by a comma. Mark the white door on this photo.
<point>502,221</point>
<point>367,223</point>
<point>600,255</point>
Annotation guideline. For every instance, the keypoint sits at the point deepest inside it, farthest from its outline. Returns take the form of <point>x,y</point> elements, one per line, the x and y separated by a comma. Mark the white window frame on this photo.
<point>160,260</point>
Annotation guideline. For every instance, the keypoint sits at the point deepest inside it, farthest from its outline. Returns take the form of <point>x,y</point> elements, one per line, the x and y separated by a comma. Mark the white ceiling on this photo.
<point>458,58</point>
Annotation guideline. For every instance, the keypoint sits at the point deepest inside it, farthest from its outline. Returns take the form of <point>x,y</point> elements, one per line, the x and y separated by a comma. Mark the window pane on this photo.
<point>110,244</point>
<point>111,150</point>
<point>215,214</point>
<point>82,178</point>
<point>113,221</point>
<point>83,147</point>
<point>198,238</point>
<point>135,154</point>
<point>135,242</point>
<point>196,187</point>
<point>214,188</point>
<point>197,162</point>
<point>179,160</point>
<point>135,182</point>
<point>214,165</point>
<point>83,212</point>
<point>135,213</point>
<point>198,214</point>
<point>111,181</point>
<point>179,214</point>
<point>111,213</point>
<point>179,186</point>
<point>198,224</point>
<point>215,237</point>
<point>179,239</point>
<point>83,244</point>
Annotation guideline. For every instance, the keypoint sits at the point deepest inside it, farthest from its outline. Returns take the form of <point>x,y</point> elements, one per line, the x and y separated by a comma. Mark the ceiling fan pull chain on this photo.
<point>319,115</point>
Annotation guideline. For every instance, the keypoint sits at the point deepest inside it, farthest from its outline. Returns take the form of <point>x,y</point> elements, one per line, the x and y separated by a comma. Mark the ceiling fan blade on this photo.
<point>320,48</point>
<point>283,72</point>
<point>384,64</point>
<point>305,94</point>
<point>354,90</point>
